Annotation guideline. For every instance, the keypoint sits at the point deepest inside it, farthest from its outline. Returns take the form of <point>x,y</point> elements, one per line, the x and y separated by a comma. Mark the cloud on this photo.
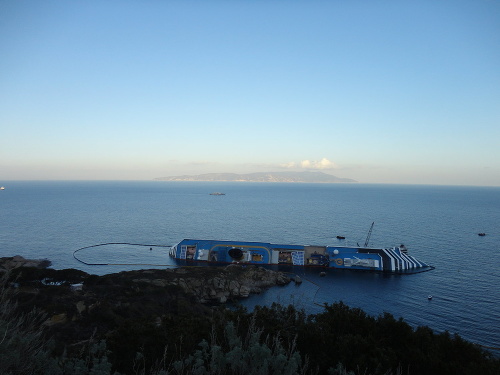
<point>311,164</point>
<point>200,166</point>
<point>322,164</point>
<point>289,165</point>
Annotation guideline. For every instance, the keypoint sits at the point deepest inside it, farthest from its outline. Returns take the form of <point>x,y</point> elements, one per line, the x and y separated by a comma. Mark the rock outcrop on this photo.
<point>10,263</point>
<point>217,285</point>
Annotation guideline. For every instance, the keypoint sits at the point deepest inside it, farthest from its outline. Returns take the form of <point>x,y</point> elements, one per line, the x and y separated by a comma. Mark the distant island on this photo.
<point>304,177</point>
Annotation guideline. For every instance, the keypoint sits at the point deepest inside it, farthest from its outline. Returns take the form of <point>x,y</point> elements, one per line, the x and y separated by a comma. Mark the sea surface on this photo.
<point>438,224</point>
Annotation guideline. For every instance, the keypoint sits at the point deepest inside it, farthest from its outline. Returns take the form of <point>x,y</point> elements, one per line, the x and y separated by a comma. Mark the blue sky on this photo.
<point>378,91</point>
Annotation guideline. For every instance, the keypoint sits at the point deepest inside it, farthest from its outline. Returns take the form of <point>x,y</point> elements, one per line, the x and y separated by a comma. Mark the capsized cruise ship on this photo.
<point>394,259</point>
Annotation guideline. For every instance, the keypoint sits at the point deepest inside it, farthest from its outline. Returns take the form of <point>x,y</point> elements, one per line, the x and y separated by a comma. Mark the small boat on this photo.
<point>2,187</point>
<point>214,252</point>
<point>429,297</point>
<point>481,234</point>
<point>340,237</point>
<point>217,193</point>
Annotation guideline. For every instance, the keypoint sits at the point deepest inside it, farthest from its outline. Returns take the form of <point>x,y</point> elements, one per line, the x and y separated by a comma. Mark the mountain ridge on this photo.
<point>293,177</point>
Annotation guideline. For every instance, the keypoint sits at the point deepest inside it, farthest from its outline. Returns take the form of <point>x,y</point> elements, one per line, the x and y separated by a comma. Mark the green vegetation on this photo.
<point>116,326</point>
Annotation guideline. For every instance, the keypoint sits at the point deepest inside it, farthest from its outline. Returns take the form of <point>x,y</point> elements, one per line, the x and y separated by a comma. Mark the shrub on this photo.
<point>249,355</point>
<point>22,343</point>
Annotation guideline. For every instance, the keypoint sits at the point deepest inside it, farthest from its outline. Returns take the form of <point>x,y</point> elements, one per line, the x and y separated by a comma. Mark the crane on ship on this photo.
<point>369,234</point>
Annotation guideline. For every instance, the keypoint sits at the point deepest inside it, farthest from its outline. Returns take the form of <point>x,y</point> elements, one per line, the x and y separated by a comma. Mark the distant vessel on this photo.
<point>2,188</point>
<point>394,260</point>
<point>340,237</point>
<point>481,234</point>
<point>217,193</point>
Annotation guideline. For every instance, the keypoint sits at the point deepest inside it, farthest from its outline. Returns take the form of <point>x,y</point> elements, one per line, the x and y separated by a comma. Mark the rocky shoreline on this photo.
<point>206,284</point>
<point>75,304</point>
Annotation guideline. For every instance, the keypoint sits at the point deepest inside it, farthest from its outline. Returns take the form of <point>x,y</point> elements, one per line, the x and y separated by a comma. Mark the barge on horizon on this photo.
<point>394,260</point>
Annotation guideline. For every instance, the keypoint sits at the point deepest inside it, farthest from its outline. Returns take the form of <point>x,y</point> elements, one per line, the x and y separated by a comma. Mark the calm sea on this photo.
<point>438,224</point>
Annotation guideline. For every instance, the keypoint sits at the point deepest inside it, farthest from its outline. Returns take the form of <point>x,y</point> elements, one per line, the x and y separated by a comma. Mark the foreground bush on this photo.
<point>375,345</point>
<point>23,347</point>
<point>251,355</point>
